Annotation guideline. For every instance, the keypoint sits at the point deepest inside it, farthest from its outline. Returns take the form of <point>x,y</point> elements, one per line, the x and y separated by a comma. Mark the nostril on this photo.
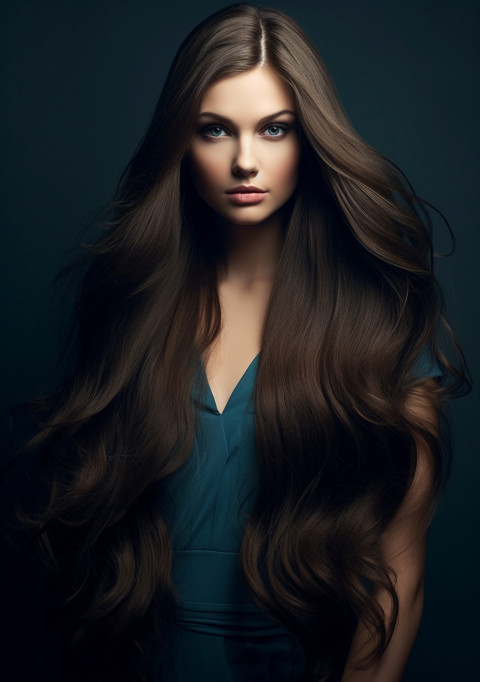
<point>240,169</point>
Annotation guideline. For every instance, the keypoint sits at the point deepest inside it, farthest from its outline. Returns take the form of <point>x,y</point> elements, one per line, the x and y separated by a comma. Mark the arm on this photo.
<point>404,550</point>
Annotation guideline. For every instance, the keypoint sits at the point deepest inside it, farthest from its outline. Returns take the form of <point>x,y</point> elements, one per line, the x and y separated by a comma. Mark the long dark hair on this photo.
<point>354,303</point>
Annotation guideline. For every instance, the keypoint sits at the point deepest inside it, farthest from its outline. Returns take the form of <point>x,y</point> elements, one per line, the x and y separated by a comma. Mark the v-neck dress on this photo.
<point>220,634</point>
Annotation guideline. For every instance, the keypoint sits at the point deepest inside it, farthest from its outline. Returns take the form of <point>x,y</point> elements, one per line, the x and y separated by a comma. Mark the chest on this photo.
<point>240,338</point>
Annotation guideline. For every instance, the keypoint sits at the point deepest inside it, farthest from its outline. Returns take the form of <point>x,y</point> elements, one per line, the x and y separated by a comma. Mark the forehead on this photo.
<point>254,94</point>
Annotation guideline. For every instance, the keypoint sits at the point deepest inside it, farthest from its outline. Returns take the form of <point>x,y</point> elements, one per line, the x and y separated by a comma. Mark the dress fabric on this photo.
<point>220,634</point>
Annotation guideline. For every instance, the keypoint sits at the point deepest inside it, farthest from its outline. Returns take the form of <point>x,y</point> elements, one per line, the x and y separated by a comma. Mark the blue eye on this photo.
<point>213,131</point>
<point>275,131</point>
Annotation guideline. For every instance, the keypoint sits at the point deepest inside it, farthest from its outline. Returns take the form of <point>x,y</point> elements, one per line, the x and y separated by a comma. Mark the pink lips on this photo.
<point>246,195</point>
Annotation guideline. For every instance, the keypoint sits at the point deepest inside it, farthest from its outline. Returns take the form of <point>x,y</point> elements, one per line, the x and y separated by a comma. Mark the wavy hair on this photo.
<point>353,304</point>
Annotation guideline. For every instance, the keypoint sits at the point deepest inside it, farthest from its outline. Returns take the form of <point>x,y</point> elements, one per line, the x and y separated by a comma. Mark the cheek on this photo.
<point>208,169</point>
<point>285,168</point>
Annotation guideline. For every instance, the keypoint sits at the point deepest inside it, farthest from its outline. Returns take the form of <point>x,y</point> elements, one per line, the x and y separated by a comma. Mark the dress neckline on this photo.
<point>236,388</point>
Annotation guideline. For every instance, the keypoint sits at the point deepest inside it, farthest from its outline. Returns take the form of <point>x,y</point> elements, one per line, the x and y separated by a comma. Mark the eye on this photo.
<point>213,131</point>
<point>276,130</point>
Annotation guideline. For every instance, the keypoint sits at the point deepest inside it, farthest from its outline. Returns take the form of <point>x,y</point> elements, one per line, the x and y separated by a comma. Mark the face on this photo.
<point>244,156</point>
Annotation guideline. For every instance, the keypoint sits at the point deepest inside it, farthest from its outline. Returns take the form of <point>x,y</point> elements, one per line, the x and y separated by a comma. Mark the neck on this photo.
<point>251,251</point>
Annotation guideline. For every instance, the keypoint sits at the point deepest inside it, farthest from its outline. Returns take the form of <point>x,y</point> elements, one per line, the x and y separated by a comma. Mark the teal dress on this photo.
<point>220,634</point>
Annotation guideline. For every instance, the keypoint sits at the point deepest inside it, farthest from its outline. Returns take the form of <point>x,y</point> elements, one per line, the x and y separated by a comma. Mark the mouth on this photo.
<point>246,189</point>
<point>246,195</point>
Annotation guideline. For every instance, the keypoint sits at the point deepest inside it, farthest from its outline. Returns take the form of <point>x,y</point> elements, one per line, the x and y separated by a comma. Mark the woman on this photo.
<point>241,467</point>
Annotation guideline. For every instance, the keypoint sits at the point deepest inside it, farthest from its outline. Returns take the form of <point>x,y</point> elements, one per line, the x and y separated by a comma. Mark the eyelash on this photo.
<point>282,126</point>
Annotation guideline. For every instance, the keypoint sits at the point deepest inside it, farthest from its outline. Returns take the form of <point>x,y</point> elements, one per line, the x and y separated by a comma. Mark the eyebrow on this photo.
<point>263,120</point>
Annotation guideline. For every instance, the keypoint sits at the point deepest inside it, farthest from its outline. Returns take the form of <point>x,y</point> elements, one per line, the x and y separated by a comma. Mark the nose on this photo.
<point>245,162</point>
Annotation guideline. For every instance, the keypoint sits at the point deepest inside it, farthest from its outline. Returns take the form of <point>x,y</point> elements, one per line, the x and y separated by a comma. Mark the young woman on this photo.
<point>241,467</point>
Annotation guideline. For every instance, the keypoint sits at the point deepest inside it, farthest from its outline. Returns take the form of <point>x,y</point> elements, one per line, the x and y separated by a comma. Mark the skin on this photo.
<point>240,141</point>
<point>222,156</point>
<point>244,140</point>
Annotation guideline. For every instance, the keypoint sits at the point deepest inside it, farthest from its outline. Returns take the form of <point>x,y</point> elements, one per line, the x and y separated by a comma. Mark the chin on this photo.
<point>250,222</point>
<point>247,222</point>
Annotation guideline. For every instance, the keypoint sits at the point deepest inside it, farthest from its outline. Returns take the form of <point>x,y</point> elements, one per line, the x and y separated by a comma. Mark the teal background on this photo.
<point>80,80</point>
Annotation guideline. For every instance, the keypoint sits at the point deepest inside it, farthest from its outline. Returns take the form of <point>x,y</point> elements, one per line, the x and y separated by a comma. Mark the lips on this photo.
<point>246,189</point>
<point>246,195</point>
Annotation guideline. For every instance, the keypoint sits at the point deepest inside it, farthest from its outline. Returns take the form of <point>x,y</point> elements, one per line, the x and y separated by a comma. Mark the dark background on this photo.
<point>80,83</point>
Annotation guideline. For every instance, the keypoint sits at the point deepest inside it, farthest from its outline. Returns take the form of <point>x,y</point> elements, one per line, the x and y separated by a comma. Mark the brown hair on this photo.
<point>353,304</point>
